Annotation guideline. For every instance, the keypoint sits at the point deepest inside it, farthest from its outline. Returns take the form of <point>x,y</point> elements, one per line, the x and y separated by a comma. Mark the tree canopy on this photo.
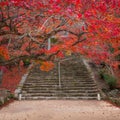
<point>87,27</point>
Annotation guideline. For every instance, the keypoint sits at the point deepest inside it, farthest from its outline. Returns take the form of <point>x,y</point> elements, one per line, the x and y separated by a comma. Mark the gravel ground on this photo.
<point>60,110</point>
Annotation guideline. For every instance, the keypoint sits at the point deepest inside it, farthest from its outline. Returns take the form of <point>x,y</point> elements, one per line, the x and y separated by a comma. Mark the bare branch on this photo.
<point>78,41</point>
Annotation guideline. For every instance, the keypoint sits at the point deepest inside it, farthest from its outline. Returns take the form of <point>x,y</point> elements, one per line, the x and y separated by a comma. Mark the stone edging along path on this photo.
<point>113,100</point>
<point>22,81</point>
<point>85,61</point>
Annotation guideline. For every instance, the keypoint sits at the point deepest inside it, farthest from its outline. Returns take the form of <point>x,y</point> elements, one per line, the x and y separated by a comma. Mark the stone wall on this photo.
<point>4,96</point>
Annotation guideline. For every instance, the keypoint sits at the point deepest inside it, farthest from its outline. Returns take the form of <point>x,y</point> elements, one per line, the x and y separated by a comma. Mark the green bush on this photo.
<point>101,73</point>
<point>26,62</point>
<point>116,101</point>
<point>117,57</point>
<point>11,96</point>
<point>110,80</point>
<point>53,40</point>
<point>1,103</point>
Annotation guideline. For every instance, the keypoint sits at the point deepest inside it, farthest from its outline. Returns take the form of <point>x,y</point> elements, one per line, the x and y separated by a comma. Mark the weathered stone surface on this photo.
<point>1,76</point>
<point>4,94</point>
<point>75,82</point>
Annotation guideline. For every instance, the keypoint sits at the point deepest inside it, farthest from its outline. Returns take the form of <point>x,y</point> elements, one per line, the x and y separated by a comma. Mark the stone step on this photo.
<point>76,83</point>
<point>57,88</point>
<point>65,80</point>
<point>42,79</point>
<point>42,76</point>
<point>59,93</point>
<point>58,98</point>
<point>67,91</point>
<point>37,70</point>
<point>76,70</point>
<point>62,73</point>
<point>41,83</point>
<point>74,67</point>
<point>63,85</point>
<point>62,94</point>
<point>56,83</point>
<point>62,79</point>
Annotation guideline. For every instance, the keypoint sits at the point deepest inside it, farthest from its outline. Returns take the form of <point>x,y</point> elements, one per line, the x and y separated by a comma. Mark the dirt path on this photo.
<point>60,110</point>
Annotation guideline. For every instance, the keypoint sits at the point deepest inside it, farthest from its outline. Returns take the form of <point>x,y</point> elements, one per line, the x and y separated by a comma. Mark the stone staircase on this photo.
<point>75,83</point>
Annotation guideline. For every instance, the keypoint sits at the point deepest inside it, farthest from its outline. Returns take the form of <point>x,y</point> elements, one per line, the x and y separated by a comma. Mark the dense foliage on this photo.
<point>87,27</point>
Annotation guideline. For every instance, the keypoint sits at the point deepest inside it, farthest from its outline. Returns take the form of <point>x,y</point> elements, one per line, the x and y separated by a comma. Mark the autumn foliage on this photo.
<point>87,27</point>
<point>47,66</point>
<point>11,78</point>
<point>4,53</point>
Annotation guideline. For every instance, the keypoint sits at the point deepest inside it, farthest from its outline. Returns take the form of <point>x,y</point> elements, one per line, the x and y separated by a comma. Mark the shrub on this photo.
<point>1,103</point>
<point>116,101</point>
<point>11,96</point>
<point>26,62</point>
<point>110,80</point>
<point>101,73</point>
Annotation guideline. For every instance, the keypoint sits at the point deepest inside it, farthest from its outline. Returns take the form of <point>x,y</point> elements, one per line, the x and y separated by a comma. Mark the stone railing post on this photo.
<point>1,76</point>
<point>59,69</point>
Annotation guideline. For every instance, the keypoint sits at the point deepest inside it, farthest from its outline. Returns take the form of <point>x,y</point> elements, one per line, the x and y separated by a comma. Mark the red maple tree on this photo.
<point>87,27</point>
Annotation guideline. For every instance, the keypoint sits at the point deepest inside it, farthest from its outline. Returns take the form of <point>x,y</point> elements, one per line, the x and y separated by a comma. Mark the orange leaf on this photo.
<point>47,66</point>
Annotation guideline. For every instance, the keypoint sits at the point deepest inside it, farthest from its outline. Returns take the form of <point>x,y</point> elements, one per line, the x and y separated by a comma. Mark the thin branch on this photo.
<point>9,43</point>
<point>40,29</point>
<point>2,16</point>
<point>78,41</point>
<point>33,39</point>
